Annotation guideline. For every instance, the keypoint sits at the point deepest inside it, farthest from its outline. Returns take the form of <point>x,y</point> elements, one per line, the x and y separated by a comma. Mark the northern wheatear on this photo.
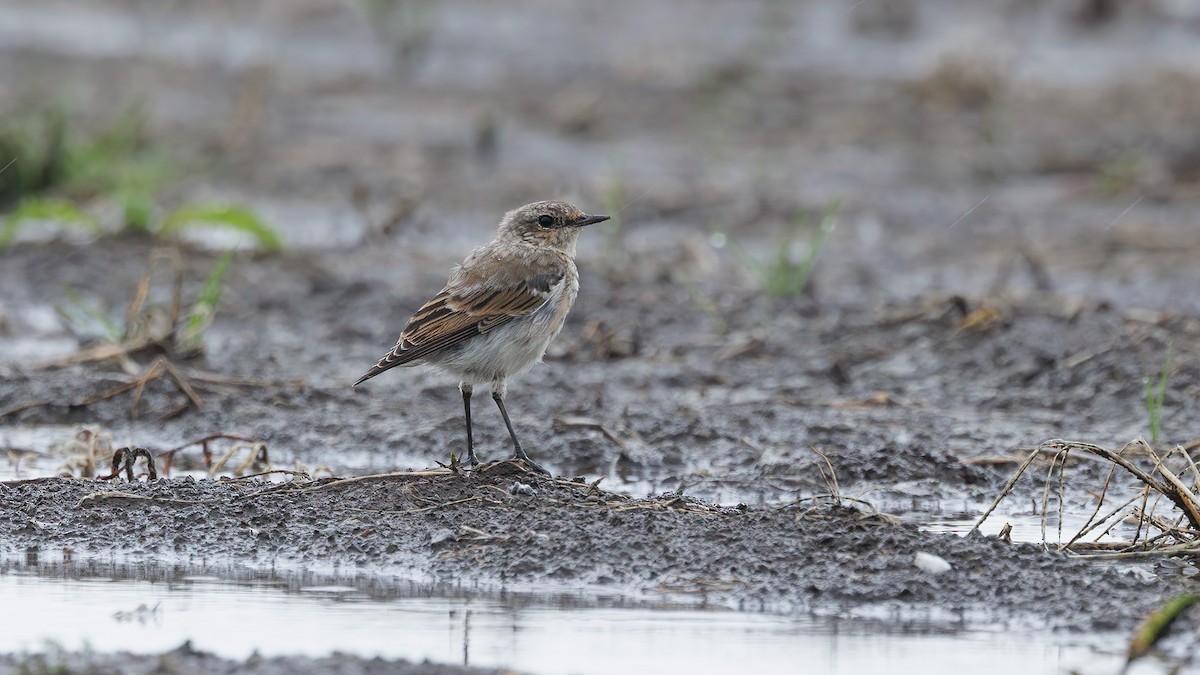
<point>500,309</point>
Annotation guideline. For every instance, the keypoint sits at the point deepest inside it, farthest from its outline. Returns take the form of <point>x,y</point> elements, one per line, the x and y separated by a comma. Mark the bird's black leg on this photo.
<point>466,392</point>
<point>518,453</point>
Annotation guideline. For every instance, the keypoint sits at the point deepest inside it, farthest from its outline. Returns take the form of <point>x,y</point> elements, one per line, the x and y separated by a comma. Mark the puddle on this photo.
<point>1025,528</point>
<point>1026,525</point>
<point>535,633</point>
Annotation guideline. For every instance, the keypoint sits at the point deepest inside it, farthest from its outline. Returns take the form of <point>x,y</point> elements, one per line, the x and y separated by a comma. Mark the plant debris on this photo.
<point>124,458</point>
<point>1176,534</point>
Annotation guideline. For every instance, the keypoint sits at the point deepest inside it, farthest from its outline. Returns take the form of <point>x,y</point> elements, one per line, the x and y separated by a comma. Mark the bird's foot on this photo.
<point>530,463</point>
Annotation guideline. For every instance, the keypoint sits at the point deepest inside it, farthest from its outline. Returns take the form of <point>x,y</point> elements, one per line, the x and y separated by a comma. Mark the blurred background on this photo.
<point>411,125</point>
<point>781,174</point>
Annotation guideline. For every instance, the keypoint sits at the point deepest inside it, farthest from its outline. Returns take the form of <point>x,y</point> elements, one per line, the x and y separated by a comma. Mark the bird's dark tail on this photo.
<point>389,361</point>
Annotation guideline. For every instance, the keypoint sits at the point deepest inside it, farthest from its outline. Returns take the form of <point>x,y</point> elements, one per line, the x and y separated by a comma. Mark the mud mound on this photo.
<point>501,525</point>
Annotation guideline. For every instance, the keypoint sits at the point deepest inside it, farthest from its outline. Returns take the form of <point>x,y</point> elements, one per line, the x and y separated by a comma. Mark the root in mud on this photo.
<point>124,458</point>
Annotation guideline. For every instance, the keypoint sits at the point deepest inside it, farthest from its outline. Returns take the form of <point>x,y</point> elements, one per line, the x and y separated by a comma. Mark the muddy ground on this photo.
<point>505,527</point>
<point>1015,252</point>
<point>185,659</point>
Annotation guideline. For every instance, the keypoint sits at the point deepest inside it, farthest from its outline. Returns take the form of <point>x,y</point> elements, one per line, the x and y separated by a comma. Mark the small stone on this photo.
<point>928,562</point>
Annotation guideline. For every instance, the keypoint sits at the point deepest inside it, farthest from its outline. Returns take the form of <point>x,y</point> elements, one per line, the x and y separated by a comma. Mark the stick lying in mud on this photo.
<point>115,494</point>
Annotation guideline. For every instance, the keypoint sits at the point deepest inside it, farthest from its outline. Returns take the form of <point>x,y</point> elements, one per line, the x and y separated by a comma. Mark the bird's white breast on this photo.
<point>517,345</point>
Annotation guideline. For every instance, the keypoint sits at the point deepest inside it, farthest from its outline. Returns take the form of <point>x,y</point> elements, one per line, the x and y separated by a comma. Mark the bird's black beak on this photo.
<point>590,220</point>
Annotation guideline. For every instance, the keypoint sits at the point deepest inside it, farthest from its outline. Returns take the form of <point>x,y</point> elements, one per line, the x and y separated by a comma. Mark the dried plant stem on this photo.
<point>1008,486</point>
<point>1182,535</point>
<point>1173,489</point>
<point>830,478</point>
<point>289,472</point>
<point>1087,525</point>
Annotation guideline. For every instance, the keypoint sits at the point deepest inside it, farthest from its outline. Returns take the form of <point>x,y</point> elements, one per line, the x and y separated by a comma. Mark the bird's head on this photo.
<point>550,224</point>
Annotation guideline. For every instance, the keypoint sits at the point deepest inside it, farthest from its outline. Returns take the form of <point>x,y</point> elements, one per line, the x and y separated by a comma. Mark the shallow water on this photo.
<point>536,633</point>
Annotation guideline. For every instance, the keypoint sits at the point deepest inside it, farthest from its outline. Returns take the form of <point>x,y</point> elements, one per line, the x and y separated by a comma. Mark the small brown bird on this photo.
<point>500,309</point>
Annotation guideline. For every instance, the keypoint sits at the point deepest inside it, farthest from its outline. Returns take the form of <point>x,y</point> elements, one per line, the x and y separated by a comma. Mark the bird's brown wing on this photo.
<point>485,293</point>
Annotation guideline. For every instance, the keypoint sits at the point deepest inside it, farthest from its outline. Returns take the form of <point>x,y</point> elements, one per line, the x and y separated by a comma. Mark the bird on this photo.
<point>499,310</point>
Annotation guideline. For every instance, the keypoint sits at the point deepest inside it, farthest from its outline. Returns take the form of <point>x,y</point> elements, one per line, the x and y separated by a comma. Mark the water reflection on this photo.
<point>235,612</point>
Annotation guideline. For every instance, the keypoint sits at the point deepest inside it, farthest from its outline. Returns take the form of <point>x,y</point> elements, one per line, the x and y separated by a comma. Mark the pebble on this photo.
<point>928,562</point>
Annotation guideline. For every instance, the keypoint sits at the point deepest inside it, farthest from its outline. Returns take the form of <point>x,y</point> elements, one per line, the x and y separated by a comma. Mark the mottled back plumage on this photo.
<point>491,288</point>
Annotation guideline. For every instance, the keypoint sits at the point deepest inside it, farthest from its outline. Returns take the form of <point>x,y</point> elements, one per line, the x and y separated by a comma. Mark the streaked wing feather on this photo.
<point>460,312</point>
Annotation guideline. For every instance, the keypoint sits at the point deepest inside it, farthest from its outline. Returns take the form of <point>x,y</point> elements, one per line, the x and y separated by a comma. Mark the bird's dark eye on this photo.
<point>545,221</point>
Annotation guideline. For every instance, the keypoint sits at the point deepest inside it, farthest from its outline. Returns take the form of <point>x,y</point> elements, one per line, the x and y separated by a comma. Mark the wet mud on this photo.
<point>503,527</point>
<point>185,659</point>
<point>1007,267</point>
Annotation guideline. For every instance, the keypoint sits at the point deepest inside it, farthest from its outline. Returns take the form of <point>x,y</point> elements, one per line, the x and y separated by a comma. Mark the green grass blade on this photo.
<point>78,310</point>
<point>1155,627</point>
<point>33,210</point>
<point>231,217</point>
<point>1156,394</point>
<point>803,272</point>
<point>137,209</point>
<point>781,275</point>
<point>756,268</point>
<point>201,316</point>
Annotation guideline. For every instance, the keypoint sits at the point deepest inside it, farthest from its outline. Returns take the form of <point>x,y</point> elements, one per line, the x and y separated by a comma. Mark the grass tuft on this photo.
<point>787,273</point>
<point>40,209</point>
<point>78,313</point>
<point>51,168</point>
<point>201,316</point>
<point>32,148</point>
<point>56,156</point>
<point>235,218</point>
<point>1155,395</point>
